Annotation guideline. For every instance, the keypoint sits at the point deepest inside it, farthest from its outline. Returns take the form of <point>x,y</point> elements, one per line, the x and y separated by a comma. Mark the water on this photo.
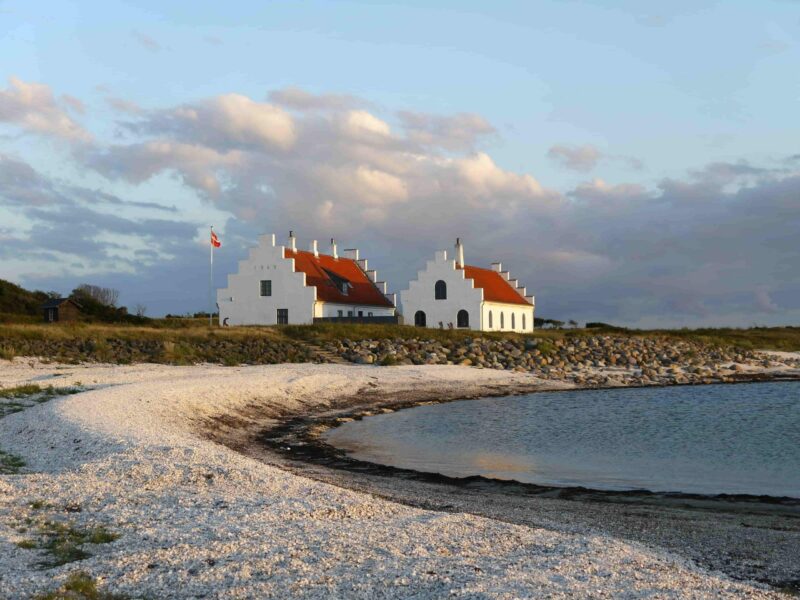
<point>735,439</point>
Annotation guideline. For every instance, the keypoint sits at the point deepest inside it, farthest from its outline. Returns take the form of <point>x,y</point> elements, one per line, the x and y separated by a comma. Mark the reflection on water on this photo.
<point>741,439</point>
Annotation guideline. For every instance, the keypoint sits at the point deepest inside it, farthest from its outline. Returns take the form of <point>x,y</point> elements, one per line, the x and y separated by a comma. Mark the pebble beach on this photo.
<point>149,453</point>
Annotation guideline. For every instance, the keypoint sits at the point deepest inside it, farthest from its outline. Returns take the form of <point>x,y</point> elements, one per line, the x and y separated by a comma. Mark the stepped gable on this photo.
<point>495,287</point>
<point>321,270</point>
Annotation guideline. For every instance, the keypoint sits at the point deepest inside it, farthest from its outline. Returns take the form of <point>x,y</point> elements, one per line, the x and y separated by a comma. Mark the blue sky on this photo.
<point>656,136</point>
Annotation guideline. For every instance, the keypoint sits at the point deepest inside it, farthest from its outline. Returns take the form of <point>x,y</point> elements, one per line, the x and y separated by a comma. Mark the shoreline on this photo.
<point>296,444</point>
<point>164,458</point>
<point>299,438</point>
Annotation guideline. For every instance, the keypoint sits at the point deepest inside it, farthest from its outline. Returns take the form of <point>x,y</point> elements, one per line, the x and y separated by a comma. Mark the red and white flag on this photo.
<point>215,240</point>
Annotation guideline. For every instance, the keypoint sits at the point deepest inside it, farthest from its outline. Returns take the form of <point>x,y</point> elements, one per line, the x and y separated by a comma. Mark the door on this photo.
<point>419,319</point>
<point>283,316</point>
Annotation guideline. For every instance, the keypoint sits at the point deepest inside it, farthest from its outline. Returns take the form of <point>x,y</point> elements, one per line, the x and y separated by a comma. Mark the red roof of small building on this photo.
<point>362,290</point>
<point>495,287</point>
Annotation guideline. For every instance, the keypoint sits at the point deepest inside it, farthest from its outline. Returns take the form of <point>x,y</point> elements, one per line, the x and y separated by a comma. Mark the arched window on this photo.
<point>502,320</point>
<point>440,290</point>
<point>462,318</point>
<point>490,320</point>
<point>419,319</point>
<point>513,321</point>
<point>523,320</point>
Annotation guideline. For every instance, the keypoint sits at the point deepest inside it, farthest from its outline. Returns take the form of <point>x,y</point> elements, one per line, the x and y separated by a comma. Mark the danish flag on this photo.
<point>215,240</point>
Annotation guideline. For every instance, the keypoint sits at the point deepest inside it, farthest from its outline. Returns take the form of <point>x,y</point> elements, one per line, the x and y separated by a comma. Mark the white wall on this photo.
<point>518,310</point>
<point>241,302</point>
<point>460,295</point>
<point>329,309</point>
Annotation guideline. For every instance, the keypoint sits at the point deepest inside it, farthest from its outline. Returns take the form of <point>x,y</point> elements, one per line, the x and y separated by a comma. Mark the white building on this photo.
<point>284,285</point>
<point>449,293</point>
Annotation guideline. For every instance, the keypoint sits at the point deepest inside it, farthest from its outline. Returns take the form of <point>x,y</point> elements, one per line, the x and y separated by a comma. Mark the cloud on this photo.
<point>68,225</point>
<point>33,107</point>
<point>74,103</point>
<point>125,106</point>
<point>763,301</point>
<point>575,158</point>
<point>457,132</point>
<point>213,40</point>
<point>223,122</point>
<point>299,99</point>
<point>146,41</point>
<point>713,246</point>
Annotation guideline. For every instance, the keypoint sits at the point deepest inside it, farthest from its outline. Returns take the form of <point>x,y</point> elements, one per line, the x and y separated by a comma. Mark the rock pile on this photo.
<point>591,360</point>
<point>119,350</point>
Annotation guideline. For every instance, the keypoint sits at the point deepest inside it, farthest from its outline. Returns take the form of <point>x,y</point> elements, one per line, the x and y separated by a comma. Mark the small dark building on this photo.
<point>61,309</point>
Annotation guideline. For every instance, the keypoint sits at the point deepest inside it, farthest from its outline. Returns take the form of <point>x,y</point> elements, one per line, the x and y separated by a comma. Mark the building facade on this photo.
<point>447,293</point>
<point>281,285</point>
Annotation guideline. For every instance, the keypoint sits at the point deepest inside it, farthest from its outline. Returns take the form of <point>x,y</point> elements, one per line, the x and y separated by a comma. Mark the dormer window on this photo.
<point>340,282</point>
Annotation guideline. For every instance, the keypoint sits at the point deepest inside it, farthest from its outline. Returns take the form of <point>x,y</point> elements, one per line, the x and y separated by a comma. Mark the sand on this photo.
<point>198,519</point>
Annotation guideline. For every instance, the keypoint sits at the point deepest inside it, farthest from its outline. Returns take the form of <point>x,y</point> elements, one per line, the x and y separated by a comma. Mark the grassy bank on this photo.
<point>187,341</point>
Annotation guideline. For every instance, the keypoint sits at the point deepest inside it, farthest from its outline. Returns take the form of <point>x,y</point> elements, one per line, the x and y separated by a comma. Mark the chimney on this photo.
<point>351,253</point>
<point>334,254</point>
<point>459,253</point>
<point>292,241</point>
<point>314,248</point>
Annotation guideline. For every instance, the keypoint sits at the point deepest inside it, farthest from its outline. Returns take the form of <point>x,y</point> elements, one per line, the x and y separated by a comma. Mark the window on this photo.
<point>340,313</point>
<point>440,290</point>
<point>502,320</point>
<point>266,287</point>
<point>419,319</point>
<point>369,314</point>
<point>283,316</point>
<point>462,318</point>
<point>523,320</point>
<point>513,321</point>
<point>349,313</point>
<point>360,313</point>
<point>490,320</point>
<point>340,282</point>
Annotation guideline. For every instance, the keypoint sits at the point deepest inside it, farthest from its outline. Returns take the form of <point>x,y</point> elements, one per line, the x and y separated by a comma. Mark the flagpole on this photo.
<point>210,276</point>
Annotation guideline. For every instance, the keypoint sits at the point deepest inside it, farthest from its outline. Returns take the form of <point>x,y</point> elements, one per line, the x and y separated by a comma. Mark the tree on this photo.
<point>103,295</point>
<point>573,324</point>
<point>140,310</point>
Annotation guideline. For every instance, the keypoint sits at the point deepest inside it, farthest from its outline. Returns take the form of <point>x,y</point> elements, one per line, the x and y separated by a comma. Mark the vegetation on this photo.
<point>79,586</point>
<point>64,543</point>
<point>10,464</point>
<point>189,341</point>
<point>18,304</point>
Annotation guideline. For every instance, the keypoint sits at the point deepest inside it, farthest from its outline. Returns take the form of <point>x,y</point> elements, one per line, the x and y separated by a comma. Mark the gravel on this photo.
<point>197,519</point>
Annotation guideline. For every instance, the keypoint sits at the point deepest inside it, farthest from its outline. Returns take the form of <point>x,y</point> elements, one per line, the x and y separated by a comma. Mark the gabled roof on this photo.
<point>323,270</point>
<point>495,287</point>
<point>56,302</point>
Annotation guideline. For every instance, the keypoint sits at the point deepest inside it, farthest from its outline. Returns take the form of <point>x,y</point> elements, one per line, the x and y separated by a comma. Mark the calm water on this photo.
<point>702,439</point>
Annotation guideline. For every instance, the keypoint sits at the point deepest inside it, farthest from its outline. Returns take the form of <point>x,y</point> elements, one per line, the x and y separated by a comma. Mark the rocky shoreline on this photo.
<point>589,361</point>
<point>162,458</point>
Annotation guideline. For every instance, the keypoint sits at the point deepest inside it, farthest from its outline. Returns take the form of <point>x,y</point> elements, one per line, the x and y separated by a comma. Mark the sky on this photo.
<point>633,163</point>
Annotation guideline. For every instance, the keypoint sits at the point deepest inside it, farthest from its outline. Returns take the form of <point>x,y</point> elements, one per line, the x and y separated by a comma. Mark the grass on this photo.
<point>21,391</point>
<point>79,586</point>
<point>18,398</point>
<point>189,341</point>
<point>64,543</point>
<point>10,464</point>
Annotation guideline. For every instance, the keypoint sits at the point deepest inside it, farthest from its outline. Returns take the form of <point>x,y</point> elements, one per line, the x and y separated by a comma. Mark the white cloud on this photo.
<point>223,122</point>
<point>457,132</point>
<point>575,158</point>
<point>715,244</point>
<point>361,124</point>
<point>33,107</point>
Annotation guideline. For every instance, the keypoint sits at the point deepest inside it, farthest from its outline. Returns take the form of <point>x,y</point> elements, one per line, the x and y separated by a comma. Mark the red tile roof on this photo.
<point>363,291</point>
<point>495,287</point>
